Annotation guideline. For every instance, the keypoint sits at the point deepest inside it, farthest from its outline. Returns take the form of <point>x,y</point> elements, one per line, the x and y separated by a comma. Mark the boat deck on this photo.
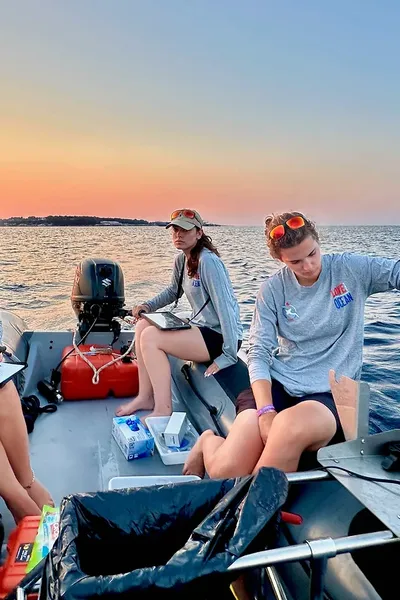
<point>72,451</point>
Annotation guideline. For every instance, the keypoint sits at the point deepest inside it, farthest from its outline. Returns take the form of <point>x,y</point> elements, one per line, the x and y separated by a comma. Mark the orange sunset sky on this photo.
<point>235,108</point>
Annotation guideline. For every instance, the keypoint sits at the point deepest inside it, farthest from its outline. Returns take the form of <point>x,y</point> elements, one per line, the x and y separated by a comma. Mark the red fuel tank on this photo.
<point>120,380</point>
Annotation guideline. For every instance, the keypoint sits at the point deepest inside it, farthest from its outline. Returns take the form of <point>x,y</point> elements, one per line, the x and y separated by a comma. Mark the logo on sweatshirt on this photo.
<point>196,280</point>
<point>289,312</point>
<point>341,296</point>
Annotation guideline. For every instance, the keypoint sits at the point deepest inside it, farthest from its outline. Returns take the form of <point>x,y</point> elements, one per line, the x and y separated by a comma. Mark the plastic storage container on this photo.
<point>171,456</point>
<point>120,379</point>
<point>121,483</point>
<point>19,549</point>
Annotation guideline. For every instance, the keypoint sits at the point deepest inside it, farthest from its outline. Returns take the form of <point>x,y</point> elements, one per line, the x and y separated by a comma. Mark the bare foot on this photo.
<point>195,461</point>
<point>156,413</point>
<point>21,505</point>
<point>38,493</point>
<point>134,405</point>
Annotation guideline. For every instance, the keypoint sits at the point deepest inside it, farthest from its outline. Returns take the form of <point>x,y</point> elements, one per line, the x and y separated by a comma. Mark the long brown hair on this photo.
<point>292,237</point>
<point>193,261</point>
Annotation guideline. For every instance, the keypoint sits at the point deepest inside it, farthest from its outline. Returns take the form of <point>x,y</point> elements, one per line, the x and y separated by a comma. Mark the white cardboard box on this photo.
<point>175,430</point>
<point>171,456</point>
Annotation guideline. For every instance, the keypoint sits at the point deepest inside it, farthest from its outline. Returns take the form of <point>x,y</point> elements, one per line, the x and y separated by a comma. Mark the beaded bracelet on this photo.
<point>265,409</point>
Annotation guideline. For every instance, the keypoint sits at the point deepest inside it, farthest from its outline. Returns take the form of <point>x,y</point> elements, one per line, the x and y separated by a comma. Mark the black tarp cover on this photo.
<point>162,542</point>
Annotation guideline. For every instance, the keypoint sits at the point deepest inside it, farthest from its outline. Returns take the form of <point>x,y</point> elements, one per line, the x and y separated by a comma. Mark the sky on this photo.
<point>133,108</point>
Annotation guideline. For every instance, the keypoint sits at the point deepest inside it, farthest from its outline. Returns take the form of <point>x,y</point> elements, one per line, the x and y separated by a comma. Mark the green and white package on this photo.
<point>46,535</point>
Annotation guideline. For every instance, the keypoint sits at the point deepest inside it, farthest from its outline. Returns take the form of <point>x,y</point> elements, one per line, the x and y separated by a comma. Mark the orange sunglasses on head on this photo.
<point>186,212</point>
<point>279,231</point>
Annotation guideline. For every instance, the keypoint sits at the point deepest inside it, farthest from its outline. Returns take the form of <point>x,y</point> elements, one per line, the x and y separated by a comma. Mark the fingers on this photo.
<point>332,379</point>
<point>212,370</point>
<point>137,310</point>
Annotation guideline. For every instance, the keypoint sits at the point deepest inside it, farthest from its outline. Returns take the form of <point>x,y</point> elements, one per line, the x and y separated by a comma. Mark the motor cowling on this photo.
<point>98,294</point>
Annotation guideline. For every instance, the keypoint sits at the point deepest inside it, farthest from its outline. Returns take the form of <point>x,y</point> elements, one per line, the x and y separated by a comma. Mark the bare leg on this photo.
<point>14,439</point>
<point>307,426</point>
<point>187,344</point>
<point>195,461</point>
<point>234,456</point>
<point>17,499</point>
<point>145,399</point>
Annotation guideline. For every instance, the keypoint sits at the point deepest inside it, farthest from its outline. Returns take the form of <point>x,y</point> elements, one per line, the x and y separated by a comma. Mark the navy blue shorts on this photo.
<point>281,400</point>
<point>214,341</point>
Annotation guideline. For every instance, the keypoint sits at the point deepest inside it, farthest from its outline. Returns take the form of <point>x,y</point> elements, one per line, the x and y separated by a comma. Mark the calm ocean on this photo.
<point>38,265</point>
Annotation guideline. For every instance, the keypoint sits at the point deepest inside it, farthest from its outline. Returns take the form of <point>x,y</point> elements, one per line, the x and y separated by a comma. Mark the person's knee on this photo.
<point>149,338</point>
<point>141,326</point>
<point>292,431</point>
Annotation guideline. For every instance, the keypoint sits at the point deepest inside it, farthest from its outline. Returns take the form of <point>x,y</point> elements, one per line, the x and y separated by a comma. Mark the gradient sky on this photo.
<point>237,108</point>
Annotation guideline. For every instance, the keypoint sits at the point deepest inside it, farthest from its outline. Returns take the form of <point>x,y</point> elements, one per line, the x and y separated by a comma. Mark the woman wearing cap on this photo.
<point>216,331</point>
<point>308,325</point>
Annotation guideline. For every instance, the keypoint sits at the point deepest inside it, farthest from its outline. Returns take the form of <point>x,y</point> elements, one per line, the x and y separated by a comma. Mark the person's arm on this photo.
<point>377,273</point>
<point>169,294</point>
<point>216,283</point>
<point>263,341</point>
<point>262,393</point>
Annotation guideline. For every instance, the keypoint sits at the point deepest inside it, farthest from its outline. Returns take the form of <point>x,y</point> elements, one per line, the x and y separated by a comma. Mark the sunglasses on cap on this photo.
<point>279,231</point>
<point>183,212</point>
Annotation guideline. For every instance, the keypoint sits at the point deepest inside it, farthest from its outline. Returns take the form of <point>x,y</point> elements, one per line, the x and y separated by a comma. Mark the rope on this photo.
<point>96,372</point>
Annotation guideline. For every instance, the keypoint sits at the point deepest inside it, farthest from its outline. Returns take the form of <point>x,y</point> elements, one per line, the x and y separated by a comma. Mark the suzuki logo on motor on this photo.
<point>106,283</point>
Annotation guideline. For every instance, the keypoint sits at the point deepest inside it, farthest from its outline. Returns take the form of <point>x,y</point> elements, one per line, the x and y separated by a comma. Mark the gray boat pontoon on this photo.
<point>351,526</point>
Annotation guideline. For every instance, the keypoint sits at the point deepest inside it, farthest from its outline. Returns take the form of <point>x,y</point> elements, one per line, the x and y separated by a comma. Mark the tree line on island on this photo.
<point>71,221</point>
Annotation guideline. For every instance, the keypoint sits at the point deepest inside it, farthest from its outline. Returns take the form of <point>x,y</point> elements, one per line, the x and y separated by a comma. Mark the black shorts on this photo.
<point>281,400</point>
<point>214,341</point>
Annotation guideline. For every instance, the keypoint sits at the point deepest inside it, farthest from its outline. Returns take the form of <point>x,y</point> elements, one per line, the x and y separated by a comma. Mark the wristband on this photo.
<point>265,409</point>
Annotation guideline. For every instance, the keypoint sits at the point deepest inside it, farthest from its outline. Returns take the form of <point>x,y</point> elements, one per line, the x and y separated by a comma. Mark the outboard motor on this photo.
<point>98,295</point>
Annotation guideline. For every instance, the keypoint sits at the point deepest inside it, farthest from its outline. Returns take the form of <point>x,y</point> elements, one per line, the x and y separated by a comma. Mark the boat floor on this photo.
<point>72,451</point>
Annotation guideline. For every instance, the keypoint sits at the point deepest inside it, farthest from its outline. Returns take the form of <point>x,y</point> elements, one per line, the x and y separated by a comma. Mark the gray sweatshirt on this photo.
<point>222,312</point>
<point>299,333</point>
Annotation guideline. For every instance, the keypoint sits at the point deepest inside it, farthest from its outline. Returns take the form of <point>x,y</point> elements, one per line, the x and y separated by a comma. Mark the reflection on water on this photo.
<point>37,268</point>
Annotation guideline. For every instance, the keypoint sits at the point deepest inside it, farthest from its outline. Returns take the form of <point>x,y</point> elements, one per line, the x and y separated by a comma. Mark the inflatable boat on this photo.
<point>346,547</point>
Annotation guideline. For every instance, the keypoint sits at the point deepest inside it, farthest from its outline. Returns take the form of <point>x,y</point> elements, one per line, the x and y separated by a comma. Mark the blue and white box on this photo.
<point>134,440</point>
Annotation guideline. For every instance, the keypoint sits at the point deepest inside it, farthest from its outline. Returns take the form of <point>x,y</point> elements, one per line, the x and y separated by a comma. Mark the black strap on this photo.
<point>213,410</point>
<point>31,409</point>
<point>199,311</point>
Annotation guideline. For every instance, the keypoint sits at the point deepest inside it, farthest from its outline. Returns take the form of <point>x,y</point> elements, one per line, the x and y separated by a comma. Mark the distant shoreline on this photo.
<point>74,221</point>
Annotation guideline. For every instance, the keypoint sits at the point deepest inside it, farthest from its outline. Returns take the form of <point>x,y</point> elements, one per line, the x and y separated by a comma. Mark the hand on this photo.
<point>136,310</point>
<point>264,424</point>
<point>211,370</point>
